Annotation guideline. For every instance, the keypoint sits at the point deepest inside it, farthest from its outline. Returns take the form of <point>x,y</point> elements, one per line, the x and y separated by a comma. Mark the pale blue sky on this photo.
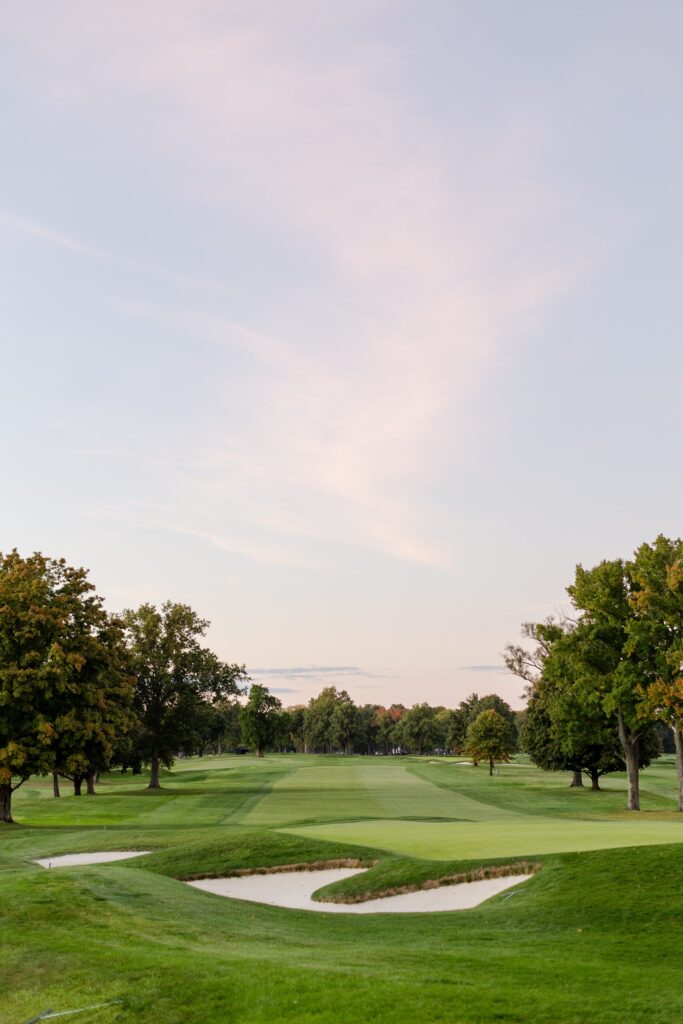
<point>354,325</point>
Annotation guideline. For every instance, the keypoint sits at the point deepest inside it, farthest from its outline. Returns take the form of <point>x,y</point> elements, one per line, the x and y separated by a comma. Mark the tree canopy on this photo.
<point>259,718</point>
<point>488,739</point>
<point>174,676</point>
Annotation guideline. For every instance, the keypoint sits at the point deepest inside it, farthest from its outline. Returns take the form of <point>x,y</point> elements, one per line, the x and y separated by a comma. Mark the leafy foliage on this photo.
<point>174,675</point>
<point>259,718</point>
<point>488,738</point>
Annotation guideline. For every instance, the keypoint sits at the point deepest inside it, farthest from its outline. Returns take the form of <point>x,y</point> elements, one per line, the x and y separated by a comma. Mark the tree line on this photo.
<point>605,680</point>
<point>83,691</point>
<point>331,723</point>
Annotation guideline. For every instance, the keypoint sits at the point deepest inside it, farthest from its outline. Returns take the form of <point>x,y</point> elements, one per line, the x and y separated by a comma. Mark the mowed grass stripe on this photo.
<point>357,789</point>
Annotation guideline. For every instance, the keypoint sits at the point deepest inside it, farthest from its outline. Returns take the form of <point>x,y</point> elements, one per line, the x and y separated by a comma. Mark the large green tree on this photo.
<point>610,670</point>
<point>259,718</point>
<point>655,633</point>
<point>469,709</point>
<point>488,739</point>
<point>63,680</point>
<point>418,728</point>
<point>93,711</point>
<point>568,724</point>
<point>326,727</point>
<point>386,723</point>
<point>174,675</point>
<point>344,726</point>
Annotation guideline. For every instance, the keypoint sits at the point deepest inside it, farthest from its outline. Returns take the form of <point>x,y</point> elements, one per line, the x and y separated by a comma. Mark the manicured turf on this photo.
<point>594,936</point>
<point>520,836</point>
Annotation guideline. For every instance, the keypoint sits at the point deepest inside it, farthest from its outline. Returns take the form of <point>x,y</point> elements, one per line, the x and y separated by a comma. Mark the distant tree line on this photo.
<point>605,681</point>
<point>331,723</point>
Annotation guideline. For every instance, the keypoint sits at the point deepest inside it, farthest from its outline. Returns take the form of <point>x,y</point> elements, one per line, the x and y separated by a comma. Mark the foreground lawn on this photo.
<point>593,936</point>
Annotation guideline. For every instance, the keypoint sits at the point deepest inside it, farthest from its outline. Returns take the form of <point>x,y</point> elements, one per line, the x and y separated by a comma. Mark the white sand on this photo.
<point>293,889</point>
<point>69,860</point>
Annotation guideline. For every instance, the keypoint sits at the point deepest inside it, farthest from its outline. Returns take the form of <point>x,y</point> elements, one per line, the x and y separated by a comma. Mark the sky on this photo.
<point>356,326</point>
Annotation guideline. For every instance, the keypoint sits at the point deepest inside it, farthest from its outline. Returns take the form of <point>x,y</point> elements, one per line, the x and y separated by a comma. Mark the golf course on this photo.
<point>592,934</point>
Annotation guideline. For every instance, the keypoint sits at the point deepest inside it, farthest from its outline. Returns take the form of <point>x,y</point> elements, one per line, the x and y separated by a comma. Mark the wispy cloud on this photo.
<point>47,234</point>
<point>52,236</point>
<point>483,668</point>
<point>309,670</point>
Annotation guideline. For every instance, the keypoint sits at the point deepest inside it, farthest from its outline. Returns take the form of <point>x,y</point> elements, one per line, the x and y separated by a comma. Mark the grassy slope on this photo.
<point>560,950</point>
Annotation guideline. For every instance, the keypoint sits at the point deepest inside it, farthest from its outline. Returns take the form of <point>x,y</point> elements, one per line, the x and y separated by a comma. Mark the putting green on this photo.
<point>516,836</point>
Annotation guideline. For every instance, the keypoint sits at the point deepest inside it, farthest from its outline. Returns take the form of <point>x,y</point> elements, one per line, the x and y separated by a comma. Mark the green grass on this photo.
<point>594,936</point>
<point>509,838</point>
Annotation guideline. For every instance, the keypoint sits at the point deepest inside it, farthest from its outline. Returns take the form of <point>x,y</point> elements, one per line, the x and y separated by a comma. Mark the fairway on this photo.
<point>132,934</point>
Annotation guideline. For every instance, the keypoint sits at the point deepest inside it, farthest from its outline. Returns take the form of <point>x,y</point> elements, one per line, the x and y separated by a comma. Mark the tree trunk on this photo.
<point>490,766</point>
<point>154,772</point>
<point>78,779</point>
<point>595,779</point>
<point>678,740</point>
<point>259,752</point>
<point>55,784</point>
<point>631,752</point>
<point>6,803</point>
<point>577,779</point>
<point>90,783</point>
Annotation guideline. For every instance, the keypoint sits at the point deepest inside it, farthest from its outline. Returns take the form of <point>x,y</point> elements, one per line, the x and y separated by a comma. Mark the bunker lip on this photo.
<point>68,860</point>
<point>277,869</point>
<point>297,892</point>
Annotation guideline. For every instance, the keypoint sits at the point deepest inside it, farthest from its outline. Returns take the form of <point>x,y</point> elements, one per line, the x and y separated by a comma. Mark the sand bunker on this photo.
<point>294,889</point>
<point>69,860</point>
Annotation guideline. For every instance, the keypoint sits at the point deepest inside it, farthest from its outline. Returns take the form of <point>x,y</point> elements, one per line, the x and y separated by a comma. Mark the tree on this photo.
<point>322,729</point>
<point>63,686</point>
<point>366,729</point>
<point>611,669</point>
<point>566,725</point>
<point>471,708</point>
<point>539,741</point>
<point>93,712</point>
<point>418,728</point>
<point>30,618</point>
<point>174,674</point>
<point>655,633</point>
<point>215,726</point>
<point>259,718</point>
<point>561,734</point>
<point>386,721</point>
<point>488,738</point>
<point>297,733</point>
<point>344,725</point>
<point>442,727</point>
